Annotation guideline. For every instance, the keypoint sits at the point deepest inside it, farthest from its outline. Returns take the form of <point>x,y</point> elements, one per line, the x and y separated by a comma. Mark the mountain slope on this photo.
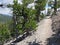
<point>5,18</point>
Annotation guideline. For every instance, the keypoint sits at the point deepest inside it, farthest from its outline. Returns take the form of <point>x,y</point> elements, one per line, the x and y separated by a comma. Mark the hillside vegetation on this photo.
<point>4,18</point>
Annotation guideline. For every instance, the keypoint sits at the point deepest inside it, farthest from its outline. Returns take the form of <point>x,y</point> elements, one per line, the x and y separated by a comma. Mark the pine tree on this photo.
<point>58,3</point>
<point>39,7</point>
<point>28,15</point>
<point>23,18</point>
<point>16,18</point>
<point>55,7</point>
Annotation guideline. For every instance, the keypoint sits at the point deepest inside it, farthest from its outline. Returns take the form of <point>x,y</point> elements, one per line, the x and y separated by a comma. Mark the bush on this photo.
<point>4,32</point>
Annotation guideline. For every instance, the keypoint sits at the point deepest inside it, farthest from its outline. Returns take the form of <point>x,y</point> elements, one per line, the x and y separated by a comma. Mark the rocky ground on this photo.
<point>56,22</point>
<point>55,38</point>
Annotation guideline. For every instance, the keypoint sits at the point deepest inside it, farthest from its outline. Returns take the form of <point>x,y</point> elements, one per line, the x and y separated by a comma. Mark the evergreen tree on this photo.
<point>39,7</point>
<point>16,17</point>
<point>58,3</point>
<point>21,18</point>
<point>55,7</point>
<point>28,16</point>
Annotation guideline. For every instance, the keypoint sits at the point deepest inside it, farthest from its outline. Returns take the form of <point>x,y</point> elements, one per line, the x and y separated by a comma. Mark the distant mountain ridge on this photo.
<point>5,18</point>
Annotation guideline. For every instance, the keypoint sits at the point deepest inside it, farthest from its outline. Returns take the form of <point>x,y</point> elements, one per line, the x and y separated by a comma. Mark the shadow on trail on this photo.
<point>20,38</point>
<point>54,40</point>
<point>33,43</point>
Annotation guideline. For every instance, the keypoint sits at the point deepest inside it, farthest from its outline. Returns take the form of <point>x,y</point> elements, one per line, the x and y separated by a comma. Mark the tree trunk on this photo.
<point>25,18</point>
<point>37,18</point>
<point>14,26</point>
<point>55,7</point>
<point>38,15</point>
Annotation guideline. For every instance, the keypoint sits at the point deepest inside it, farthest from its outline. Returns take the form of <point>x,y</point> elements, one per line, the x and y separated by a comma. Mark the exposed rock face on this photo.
<point>56,23</point>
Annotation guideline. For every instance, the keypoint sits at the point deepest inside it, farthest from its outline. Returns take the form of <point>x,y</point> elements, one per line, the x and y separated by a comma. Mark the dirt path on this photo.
<point>43,32</point>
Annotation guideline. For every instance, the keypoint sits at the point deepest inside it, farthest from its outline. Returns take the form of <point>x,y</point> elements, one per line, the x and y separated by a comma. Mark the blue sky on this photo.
<point>6,1</point>
<point>7,11</point>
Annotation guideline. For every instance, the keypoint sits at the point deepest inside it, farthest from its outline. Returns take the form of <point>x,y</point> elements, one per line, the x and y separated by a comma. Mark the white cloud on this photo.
<point>8,1</point>
<point>20,1</point>
<point>31,5</point>
<point>6,11</point>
